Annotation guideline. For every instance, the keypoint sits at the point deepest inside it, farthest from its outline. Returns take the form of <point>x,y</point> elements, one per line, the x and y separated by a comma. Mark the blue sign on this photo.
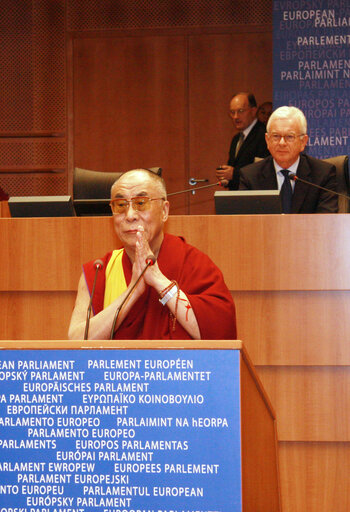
<point>117,430</point>
<point>311,69</point>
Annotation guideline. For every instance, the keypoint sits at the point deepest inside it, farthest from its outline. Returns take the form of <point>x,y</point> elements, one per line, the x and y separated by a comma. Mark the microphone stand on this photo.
<point>98,265</point>
<point>294,177</point>
<point>193,190</point>
<point>150,260</point>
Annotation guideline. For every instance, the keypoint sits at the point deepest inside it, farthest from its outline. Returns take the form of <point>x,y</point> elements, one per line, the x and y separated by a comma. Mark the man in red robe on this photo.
<point>181,296</point>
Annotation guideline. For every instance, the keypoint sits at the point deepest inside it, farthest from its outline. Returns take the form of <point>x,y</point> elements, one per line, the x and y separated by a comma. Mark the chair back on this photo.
<point>341,163</point>
<point>95,184</point>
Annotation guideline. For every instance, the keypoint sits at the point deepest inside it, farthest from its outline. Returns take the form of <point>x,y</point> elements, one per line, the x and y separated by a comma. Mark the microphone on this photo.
<point>150,260</point>
<point>294,177</point>
<point>98,265</point>
<point>193,190</point>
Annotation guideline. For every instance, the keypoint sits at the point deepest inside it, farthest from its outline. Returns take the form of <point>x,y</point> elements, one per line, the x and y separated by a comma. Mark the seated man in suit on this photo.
<point>286,139</point>
<point>248,143</point>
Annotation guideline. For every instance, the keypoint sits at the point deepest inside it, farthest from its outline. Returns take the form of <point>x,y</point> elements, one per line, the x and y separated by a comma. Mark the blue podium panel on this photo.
<point>120,431</point>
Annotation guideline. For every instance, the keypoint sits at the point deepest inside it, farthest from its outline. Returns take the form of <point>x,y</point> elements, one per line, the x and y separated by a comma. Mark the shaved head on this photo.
<point>158,181</point>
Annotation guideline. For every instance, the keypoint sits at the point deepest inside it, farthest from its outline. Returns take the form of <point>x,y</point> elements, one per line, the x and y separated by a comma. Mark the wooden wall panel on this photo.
<point>242,247</point>
<point>312,403</point>
<point>130,106</point>
<point>295,327</point>
<point>33,113</point>
<point>106,15</point>
<point>32,65</point>
<point>35,315</point>
<point>45,254</point>
<point>4,209</point>
<point>315,477</point>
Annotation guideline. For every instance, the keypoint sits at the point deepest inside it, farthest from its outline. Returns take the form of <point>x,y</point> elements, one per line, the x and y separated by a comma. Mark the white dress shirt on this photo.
<point>280,177</point>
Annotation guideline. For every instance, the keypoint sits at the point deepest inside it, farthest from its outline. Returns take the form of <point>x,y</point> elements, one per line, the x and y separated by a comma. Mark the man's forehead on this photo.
<point>137,183</point>
<point>284,123</point>
<point>239,100</point>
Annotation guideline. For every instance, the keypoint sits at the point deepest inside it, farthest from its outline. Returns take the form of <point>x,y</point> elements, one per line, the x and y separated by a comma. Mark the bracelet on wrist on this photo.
<point>167,289</point>
<point>168,293</point>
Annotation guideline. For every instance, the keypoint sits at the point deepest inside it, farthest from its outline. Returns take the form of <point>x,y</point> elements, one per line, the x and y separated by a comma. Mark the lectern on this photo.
<point>135,425</point>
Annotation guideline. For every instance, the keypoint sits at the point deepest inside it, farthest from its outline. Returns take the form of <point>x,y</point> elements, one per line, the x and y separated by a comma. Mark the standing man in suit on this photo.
<point>286,139</point>
<point>248,143</point>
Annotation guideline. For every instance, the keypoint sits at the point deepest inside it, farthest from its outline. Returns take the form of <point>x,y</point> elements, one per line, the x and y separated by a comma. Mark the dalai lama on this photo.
<point>181,296</point>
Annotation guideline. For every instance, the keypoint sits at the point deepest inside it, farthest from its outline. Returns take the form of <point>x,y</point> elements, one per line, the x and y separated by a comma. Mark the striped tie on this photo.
<point>239,143</point>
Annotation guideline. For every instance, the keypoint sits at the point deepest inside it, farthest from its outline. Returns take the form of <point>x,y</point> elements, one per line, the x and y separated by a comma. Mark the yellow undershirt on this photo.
<point>115,279</point>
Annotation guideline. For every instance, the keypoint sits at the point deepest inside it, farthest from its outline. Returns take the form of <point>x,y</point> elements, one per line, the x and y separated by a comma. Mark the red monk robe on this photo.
<point>198,277</point>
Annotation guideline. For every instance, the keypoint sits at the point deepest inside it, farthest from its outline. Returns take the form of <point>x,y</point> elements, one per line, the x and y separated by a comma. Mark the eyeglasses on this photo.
<point>289,139</point>
<point>139,204</point>
<point>240,111</point>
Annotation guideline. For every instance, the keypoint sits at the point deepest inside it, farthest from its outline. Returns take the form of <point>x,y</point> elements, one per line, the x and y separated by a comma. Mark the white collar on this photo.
<point>292,168</point>
<point>249,128</point>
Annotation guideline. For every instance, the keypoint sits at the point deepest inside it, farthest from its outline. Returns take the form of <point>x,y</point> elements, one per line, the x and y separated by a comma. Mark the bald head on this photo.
<point>148,176</point>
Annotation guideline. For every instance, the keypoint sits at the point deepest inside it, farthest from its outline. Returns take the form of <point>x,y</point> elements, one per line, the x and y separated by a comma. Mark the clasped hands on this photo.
<point>142,252</point>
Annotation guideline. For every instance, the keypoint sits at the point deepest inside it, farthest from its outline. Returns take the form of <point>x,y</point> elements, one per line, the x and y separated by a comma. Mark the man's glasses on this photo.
<point>240,111</point>
<point>289,139</point>
<point>139,204</point>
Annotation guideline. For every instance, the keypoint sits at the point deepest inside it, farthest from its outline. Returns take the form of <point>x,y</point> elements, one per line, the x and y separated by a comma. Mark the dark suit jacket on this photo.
<point>254,145</point>
<point>306,198</point>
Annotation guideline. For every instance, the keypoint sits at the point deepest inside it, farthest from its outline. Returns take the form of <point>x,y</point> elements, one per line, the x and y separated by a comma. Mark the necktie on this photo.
<point>239,143</point>
<point>286,192</point>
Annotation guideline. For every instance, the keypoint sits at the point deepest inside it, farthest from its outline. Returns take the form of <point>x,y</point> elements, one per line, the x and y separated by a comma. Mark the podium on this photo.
<point>135,425</point>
